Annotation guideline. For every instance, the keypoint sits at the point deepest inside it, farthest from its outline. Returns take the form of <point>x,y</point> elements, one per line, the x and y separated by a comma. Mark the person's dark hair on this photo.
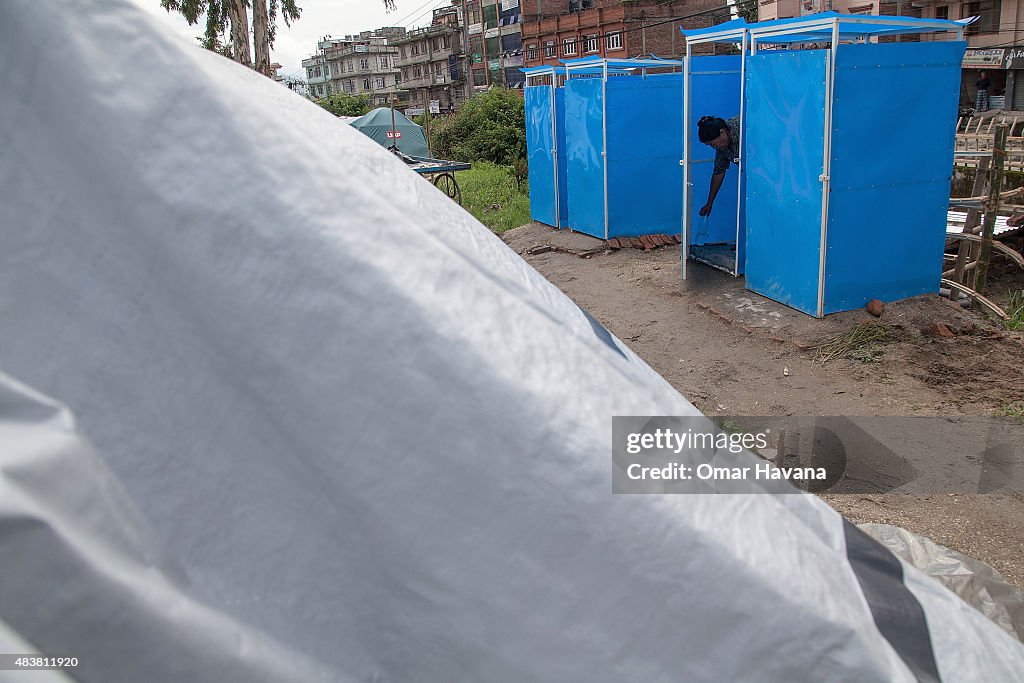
<point>709,128</point>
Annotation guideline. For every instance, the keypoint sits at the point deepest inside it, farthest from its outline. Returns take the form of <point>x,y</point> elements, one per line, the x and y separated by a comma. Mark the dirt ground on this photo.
<point>733,352</point>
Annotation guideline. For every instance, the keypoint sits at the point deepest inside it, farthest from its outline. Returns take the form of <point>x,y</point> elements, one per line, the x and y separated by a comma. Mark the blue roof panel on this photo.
<point>818,28</point>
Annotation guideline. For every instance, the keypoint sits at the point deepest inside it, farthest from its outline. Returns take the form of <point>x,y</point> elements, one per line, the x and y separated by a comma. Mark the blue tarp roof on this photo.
<point>818,28</point>
<point>620,64</point>
<point>545,69</point>
<point>595,66</point>
<point>735,25</point>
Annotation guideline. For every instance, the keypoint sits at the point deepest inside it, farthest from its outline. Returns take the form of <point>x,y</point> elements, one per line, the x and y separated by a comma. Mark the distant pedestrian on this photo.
<point>724,136</point>
<point>983,85</point>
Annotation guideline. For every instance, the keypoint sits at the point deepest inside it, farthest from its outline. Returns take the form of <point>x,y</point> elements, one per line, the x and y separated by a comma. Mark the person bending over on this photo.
<point>724,136</point>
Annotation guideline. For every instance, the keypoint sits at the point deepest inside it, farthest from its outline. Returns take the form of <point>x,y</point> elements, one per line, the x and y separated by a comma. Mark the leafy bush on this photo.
<point>341,104</point>
<point>488,127</point>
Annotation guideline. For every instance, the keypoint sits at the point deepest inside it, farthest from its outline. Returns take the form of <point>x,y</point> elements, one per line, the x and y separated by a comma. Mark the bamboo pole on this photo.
<point>991,207</point>
<point>966,250</point>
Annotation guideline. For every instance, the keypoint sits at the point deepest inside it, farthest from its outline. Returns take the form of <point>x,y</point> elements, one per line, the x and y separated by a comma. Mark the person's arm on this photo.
<point>716,184</point>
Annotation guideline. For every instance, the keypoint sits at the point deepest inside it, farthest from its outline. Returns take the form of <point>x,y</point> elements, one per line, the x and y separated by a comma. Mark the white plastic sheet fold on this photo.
<point>341,431</point>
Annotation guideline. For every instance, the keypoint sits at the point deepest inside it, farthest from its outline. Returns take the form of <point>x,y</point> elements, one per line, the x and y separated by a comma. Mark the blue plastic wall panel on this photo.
<point>894,119</point>
<point>583,146</point>
<point>644,148</point>
<point>716,92</point>
<point>539,145</point>
<point>784,154</point>
<point>563,199</point>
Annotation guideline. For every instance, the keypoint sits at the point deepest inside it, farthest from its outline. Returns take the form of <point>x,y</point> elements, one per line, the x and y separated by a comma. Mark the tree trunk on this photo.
<point>240,31</point>
<point>261,36</point>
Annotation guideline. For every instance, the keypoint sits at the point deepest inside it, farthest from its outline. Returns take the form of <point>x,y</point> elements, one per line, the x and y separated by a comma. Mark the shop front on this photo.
<point>988,60</point>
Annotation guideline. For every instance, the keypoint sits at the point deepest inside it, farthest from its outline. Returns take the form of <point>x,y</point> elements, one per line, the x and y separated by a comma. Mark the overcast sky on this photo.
<point>319,18</point>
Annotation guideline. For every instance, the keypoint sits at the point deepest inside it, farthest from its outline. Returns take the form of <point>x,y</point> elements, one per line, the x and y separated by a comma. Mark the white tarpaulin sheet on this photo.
<point>342,432</point>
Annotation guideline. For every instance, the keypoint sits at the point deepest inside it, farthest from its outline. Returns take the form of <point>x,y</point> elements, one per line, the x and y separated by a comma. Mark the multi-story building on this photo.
<point>494,43</point>
<point>316,69</point>
<point>995,42</point>
<point>566,29</point>
<point>432,63</point>
<point>356,65</point>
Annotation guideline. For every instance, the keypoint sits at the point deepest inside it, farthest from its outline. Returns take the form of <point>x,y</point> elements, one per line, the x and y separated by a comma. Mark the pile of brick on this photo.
<point>645,242</point>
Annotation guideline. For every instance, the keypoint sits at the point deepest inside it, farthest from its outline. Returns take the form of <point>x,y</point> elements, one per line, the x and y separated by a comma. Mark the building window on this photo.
<point>401,52</point>
<point>445,42</point>
<point>479,77</point>
<point>417,71</point>
<point>415,49</point>
<point>987,12</point>
<point>491,16</point>
<point>366,84</point>
<point>614,40</point>
<point>398,79</point>
<point>942,12</point>
<point>384,62</point>
<point>549,48</point>
<point>592,44</point>
<point>380,83</point>
<point>364,64</point>
<point>531,52</point>
<point>580,5</point>
<point>569,46</point>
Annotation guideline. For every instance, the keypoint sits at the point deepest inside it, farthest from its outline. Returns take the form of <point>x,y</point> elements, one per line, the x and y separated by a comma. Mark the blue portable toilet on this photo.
<point>712,86</point>
<point>840,145</point>
<point>544,99</point>
<point>622,142</point>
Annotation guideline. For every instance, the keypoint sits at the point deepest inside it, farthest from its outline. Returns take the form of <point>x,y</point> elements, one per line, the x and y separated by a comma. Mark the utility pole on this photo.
<point>323,56</point>
<point>426,117</point>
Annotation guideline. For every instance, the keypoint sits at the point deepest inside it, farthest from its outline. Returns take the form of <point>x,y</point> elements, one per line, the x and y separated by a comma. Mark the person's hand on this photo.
<point>705,210</point>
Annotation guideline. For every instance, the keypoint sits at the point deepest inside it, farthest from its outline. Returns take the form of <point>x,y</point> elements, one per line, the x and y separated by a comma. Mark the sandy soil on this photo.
<point>730,351</point>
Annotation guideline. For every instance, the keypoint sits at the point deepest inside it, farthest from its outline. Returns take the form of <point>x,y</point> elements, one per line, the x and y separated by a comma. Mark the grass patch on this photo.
<point>862,343</point>
<point>1014,410</point>
<point>1015,309</point>
<point>489,192</point>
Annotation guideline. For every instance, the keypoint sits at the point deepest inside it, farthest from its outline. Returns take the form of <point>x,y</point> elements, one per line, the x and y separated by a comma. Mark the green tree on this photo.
<point>223,16</point>
<point>488,127</point>
<point>340,104</point>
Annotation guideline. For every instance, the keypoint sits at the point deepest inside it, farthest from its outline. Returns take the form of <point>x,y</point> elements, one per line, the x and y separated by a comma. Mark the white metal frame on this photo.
<point>727,35</point>
<point>589,64</point>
